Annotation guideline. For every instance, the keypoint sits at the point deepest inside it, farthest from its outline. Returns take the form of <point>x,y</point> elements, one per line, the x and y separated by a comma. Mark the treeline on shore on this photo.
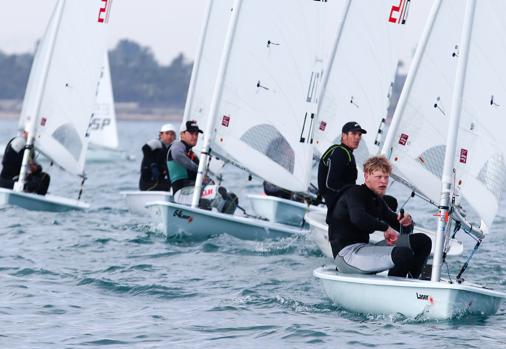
<point>136,76</point>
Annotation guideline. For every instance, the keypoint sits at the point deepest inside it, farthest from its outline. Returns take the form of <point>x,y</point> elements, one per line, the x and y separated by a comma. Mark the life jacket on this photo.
<point>177,171</point>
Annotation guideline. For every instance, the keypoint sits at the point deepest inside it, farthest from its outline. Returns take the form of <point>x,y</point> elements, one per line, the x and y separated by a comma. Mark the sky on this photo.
<point>168,27</point>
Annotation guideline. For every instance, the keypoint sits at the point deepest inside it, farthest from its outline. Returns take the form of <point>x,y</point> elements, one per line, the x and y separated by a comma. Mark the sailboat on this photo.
<point>451,105</point>
<point>104,143</point>
<point>358,87</point>
<point>60,96</point>
<point>259,118</point>
<point>198,100</point>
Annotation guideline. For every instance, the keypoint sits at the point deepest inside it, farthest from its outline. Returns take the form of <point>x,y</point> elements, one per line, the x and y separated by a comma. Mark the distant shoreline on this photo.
<point>11,109</point>
<point>120,117</point>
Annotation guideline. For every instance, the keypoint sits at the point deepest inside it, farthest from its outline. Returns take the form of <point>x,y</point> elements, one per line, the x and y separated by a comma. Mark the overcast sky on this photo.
<point>166,26</point>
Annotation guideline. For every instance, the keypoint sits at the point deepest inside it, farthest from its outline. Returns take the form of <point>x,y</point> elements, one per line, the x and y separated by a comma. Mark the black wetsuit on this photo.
<point>11,163</point>
<point>35,182</point>
<point>154,174</point>
<point>358,213</point>
<point>337,171</point>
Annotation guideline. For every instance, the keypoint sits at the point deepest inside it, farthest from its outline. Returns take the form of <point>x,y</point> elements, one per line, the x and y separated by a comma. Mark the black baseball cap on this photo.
<point>191,126</point>
<point>353,126</point>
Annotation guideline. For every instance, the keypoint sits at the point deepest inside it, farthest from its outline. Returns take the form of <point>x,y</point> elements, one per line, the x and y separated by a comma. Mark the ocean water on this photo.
<point>107,278</point>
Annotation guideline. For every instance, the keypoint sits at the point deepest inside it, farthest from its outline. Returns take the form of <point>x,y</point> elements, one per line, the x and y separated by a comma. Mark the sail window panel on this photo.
<point>270,142</point>
<point>68,137</point>
<point>493,175</point>
<point>433,160</point>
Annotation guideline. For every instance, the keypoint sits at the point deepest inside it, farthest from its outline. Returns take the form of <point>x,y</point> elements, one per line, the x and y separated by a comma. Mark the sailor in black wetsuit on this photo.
<point>359,212</point>
<point>337,169</point>
<point>154,162</point>
<point>36,180</point>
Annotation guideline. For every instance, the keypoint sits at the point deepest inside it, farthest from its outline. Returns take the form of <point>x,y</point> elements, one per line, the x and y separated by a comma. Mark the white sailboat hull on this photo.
<point>318,231</point>
<point>181,220</point>
<point>373,294</point>
<point>280,210</point>
<point>137,200</point>
<point>34,202</point>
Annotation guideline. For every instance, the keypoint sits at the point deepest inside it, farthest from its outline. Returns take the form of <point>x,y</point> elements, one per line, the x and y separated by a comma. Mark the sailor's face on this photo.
<point>351,139</point>
<point>190,138</point>
<point>377,181</point>
<point>168,137</point>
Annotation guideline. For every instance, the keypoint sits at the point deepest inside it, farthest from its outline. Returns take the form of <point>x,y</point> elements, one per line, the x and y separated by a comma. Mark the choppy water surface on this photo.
<point>105,277</point>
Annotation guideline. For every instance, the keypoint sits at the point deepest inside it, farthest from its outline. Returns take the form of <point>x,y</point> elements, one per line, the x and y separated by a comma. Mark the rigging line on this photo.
<point>412,195</point>
<point>82,187</point>
<point>464,267</point>
<point>448,271</point>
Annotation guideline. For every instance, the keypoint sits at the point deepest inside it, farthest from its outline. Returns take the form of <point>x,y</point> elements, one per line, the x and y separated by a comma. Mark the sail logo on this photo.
<point>323,126</point>
<point>225,121</point>
<point>463,156</point>
<point>180,214</point>
<point>403,140</point>
<point>43,121</point>
<point>99,123</point>
<point>425,297</point>
<point>399,13</point>
<point>208,193</point>
<point>104,11</point>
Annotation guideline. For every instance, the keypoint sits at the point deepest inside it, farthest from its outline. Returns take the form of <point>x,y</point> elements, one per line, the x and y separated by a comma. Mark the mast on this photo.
<point>218,90</point>
<point>408,85</point>
<point>39,88</point>
<point>330,63</point>
<point>451,144</point>
<point>196,63</point>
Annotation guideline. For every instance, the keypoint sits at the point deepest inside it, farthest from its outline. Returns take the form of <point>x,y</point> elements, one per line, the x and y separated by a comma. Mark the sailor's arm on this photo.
<point>396,221</point>
<point>337,166</point>
<point>178,151</point>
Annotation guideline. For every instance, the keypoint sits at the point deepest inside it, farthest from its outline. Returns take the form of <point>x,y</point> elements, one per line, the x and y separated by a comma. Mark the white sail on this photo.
<point>206,64</point>
<point>103,129</point>
<point>481,144</point>
<point>271,88</point>
<point>362,72</point>
<point>418,142</point>
<point>37,72</point>
<point>70,82</point>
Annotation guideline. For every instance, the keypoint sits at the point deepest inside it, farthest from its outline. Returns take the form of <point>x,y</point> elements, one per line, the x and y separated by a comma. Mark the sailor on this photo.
<point>337,169</point>
<point>359,212</point>
<point>154,166</point>
<point>36,180</point>
<point>183,165</point>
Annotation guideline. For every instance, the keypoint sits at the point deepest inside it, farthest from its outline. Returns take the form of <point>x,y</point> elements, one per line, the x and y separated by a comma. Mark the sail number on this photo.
<point>103,12</point>
<point>399,13</point>
<point>99,123</point>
